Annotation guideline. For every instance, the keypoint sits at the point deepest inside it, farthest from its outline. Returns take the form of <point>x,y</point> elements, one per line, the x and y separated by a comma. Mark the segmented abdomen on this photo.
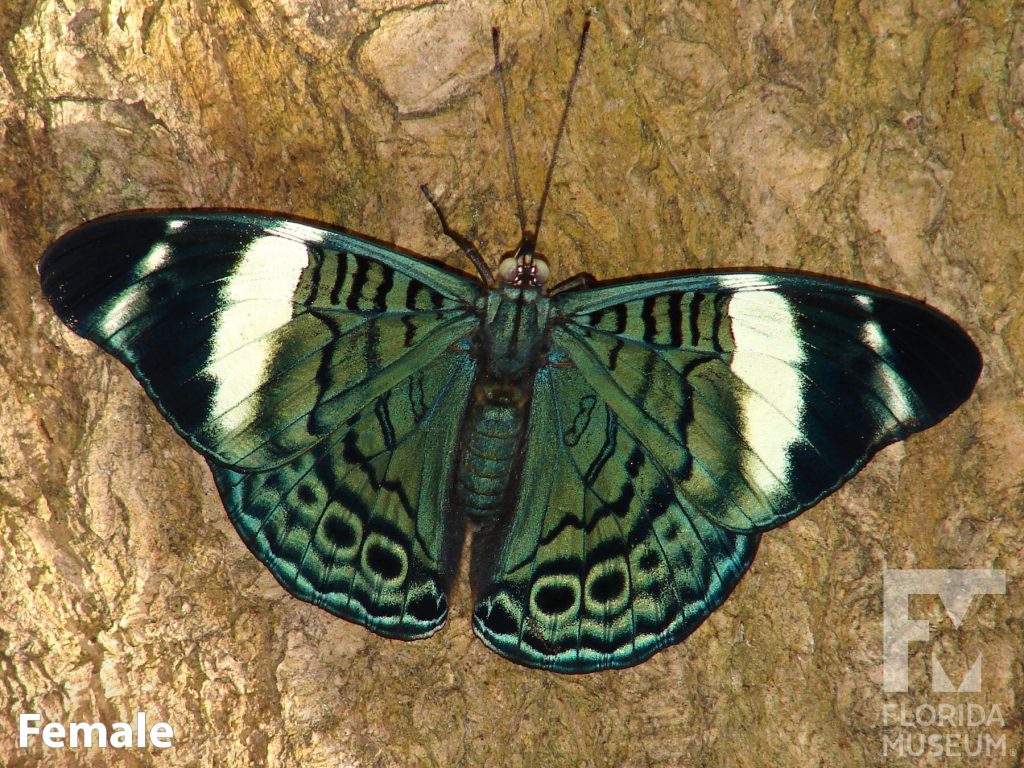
<point>490,444</point>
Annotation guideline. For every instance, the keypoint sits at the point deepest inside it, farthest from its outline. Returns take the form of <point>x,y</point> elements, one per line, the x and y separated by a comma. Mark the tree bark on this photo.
<point>878,142</point>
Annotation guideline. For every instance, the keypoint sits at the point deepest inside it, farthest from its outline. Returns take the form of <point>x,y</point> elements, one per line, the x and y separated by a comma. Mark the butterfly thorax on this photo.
<point>510,347</point>
<point>512,339</point>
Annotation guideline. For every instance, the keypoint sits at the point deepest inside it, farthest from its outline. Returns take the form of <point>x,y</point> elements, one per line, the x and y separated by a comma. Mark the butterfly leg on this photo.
<point>459,239</point>
<point>574,283</point>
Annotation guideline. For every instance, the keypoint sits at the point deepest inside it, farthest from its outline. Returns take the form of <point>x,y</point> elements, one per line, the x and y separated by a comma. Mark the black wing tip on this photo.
<point>88,245</point>
<point>938,357</point>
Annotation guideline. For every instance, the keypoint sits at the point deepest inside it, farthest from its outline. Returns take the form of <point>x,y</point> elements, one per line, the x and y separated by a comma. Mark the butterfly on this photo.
<point>617,448</point>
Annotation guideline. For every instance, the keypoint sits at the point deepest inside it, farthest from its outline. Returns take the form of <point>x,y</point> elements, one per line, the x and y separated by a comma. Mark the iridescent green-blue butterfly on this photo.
<point>617,448</point>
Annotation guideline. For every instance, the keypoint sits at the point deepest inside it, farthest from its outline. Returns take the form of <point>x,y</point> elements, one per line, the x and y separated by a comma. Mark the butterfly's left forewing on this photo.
<point>254,335</point>
<point>321,375</point>
<point>674,421</point>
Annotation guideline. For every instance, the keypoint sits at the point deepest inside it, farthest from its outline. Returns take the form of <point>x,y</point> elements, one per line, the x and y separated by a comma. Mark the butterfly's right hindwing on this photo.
<point>603,562</point>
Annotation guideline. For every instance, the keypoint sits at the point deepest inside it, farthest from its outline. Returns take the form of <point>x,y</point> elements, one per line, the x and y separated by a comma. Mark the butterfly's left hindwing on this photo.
<point>321,375</point>
<point>361,524</point>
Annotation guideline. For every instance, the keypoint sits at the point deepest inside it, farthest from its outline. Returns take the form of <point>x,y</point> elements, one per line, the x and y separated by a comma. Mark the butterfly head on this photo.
<point>524,267</point>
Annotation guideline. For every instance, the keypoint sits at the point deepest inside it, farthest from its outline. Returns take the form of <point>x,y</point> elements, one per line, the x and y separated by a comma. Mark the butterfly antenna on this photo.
<point>561,124</point>
<point>510,146</point>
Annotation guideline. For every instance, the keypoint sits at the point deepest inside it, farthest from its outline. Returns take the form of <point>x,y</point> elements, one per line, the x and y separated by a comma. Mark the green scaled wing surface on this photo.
<point>321,375</point>
<point>675,420</point>
<point>620,448</point>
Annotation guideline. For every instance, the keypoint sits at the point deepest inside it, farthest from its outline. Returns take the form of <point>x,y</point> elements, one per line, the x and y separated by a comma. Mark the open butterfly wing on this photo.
<point>255,336</point>
<point>361,524</point>
<point>765,392</point>
<point>602,563</point>
<point>321,375</point>
<point>676,420</point>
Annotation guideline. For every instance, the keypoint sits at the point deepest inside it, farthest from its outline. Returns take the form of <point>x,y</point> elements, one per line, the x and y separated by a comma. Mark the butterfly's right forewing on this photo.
<point>765,392</point>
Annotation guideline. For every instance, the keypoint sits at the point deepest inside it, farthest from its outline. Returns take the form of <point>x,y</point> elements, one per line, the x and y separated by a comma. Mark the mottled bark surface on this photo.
<point>879,142</point>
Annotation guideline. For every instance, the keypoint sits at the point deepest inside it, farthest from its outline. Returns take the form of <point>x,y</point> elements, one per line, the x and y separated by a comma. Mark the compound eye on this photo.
<point>508,269</point>
<point>540,271</point>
